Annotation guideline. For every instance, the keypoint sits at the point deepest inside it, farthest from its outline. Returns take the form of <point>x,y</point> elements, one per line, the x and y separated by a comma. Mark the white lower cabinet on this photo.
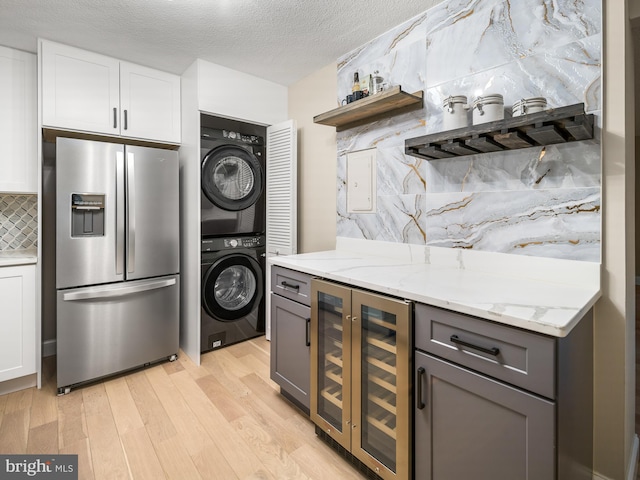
<point>18,325</point>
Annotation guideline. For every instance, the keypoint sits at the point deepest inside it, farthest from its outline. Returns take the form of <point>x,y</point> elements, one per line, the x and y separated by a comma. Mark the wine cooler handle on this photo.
<point>491,351</point>
<point>419,402</point>
<point>308,343</point>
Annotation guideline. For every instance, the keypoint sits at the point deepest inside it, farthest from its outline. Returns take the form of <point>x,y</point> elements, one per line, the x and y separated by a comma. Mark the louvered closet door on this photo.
<point>282,198</point>
<point>282,189</point>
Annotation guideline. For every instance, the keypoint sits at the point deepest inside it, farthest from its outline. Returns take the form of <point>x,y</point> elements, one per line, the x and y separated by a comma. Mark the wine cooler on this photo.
<point>361,375</point>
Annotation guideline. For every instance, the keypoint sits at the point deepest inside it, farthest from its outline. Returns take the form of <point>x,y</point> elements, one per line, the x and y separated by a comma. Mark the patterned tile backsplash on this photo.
<point>18,222</point>
<point>542,202</point>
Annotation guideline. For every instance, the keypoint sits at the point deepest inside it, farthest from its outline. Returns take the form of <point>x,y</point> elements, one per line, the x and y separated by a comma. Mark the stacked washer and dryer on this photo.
<point>233,227</point>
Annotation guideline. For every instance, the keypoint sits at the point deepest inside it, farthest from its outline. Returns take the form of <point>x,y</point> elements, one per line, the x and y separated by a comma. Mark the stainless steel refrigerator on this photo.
<point>117,258</point>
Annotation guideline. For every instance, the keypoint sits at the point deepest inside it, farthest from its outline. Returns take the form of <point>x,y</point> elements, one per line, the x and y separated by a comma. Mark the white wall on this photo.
<point>309,97</point>
<point>614,338</point>
<point>190,217</point>
<point>229,93</point>
<point>219,91</point>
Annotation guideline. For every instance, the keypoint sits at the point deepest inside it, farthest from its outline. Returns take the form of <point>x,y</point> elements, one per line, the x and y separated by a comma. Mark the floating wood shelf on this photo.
<point>393,101</point>
<point>556,125</point>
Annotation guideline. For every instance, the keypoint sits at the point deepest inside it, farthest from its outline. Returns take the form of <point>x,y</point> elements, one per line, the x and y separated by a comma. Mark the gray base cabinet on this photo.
<point>290,336</point>
<point>470,426</point>
<point>493,402</point>
<point>290,361</point>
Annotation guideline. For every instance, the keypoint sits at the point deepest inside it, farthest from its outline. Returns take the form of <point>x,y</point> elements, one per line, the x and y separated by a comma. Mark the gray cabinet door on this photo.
<point>290,355</point>
<point>470,426</point>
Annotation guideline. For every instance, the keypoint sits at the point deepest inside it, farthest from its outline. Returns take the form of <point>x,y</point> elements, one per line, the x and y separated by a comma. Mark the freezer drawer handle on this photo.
<point>491,351</point>
<point>117,292</point>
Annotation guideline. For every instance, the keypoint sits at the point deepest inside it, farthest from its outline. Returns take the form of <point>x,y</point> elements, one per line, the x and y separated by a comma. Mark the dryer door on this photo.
<point>232,177</point>
<point>232,287</point>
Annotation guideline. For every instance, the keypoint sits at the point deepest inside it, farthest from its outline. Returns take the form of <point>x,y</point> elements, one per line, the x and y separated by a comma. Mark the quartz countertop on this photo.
<point>10,258</point>
<point>549,306</point>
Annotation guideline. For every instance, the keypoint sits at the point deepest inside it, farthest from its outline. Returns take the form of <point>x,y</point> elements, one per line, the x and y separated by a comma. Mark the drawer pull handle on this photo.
<point>308,332</point>
<point>290,285</point>
<point>419,402</point>
<point>491,351</point>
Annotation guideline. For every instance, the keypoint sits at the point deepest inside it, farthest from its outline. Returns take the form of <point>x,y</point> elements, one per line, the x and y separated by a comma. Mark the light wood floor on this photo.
<point>223,420</point>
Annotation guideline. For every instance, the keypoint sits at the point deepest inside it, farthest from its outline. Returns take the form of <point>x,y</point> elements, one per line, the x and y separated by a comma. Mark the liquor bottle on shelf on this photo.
<point>355,89</point>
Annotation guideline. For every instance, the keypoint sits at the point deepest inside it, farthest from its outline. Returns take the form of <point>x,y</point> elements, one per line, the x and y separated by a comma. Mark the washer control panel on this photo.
<point>227,243</point>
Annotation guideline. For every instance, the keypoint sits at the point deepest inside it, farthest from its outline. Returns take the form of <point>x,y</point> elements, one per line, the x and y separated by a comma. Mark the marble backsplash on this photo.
<point>542,201</point>
<point>18,222</point>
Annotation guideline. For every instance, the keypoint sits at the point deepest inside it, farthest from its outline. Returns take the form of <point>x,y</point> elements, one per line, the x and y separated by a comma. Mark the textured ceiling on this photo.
<point>278,40</point>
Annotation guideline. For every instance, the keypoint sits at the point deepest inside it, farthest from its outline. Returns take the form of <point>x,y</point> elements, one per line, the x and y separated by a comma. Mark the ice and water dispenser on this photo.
<point>87,215</point>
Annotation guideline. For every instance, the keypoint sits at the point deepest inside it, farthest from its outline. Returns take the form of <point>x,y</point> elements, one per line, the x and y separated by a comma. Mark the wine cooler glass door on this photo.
<point>381,397</point>
<point>331,360</point>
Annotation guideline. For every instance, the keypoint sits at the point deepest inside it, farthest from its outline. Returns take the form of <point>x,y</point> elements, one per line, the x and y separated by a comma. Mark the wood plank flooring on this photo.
<point>224,420</point>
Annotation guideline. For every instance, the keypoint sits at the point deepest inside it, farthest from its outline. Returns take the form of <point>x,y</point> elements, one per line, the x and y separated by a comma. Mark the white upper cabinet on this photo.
<point>89,92</point>
<point>150,103</point>
<point>18,131</point>
<point>80,90</point>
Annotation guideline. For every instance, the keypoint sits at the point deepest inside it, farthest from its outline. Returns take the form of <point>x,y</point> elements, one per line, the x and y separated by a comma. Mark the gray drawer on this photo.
<point>291,284</point>
<point>522,358</point>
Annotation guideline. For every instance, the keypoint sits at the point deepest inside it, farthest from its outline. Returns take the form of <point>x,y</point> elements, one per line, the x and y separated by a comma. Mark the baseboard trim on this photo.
<point>48,348</point>
<point>16,384</point>
<point>632,468</point>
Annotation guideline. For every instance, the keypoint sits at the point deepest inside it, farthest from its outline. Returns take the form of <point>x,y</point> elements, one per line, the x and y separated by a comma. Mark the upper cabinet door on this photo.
<point>18,134</point>
<point>150,103</point>
<point>80,90</point>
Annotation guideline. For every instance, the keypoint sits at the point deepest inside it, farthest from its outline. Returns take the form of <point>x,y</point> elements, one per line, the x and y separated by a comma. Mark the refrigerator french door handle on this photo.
<point>131,214</point>
<point>108,292</point>
<point>120,213</point>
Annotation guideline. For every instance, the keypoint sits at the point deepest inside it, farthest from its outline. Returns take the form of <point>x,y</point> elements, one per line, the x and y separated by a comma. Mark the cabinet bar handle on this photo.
<point>125,119</point>
<point>309,332</point>
<point>491,351</point>
<point>419,402</point>
<point>115,117</point>
<point>290,285</point>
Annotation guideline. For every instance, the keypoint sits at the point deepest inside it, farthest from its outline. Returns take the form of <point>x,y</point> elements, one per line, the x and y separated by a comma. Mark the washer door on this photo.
<point>232,287</point>
<point>231,177</point>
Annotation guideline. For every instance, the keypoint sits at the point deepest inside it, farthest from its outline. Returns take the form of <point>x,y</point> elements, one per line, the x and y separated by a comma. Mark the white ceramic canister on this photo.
<point>529,105</point>
<point>488,108</point>
<point>454,115</point>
